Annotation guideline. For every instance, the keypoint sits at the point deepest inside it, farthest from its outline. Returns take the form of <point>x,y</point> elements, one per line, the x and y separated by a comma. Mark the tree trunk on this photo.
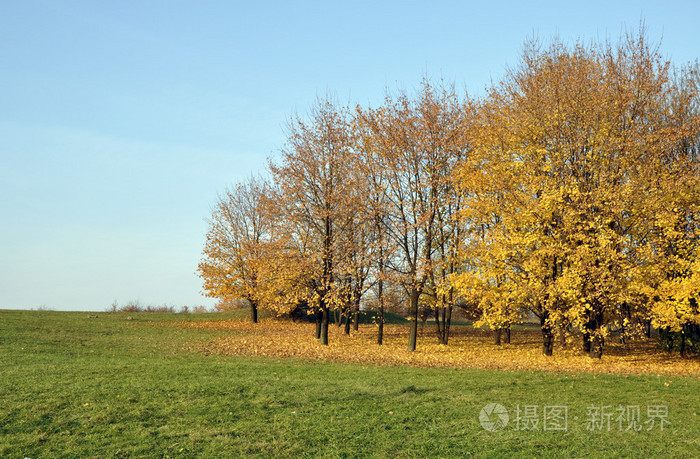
<point>547,335</point>
<point>413,317</point>
<point>356,317</point>
<point>253,312</point>
<point>586,346</point>
<point>338,317</point>
<point>592,338</point>
<point>324,326</point>
<point>438,326</point>
<point>506,335</point>
<point>446,323</point>
<point>682,349</point>
<point>380,299</point>
<point>347,321</point>
<point>497,336</point>
<point>587,335</point>
<point>443,317</point>
<point>319,319</point>
<point>597,343</point>
<point>327,273</point>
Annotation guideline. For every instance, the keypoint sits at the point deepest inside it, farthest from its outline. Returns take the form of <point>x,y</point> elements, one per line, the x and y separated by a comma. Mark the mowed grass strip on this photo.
<point>75,386</point>
<point>468,348</point>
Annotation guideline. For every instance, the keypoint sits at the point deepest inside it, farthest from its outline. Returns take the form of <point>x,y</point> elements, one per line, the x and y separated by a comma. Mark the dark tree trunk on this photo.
<point>595,339</point>
<point>588,327</point>
<point>338,317</point>
<point>497,336</point>
<point>356,315</point>
<point>547,341</point>
<point>413,317</point>
<point>347,321</point>
<point>253,312</point>
<point>682,335</point>
<point>446,324</point>
<point>438,326</point>
<point>327,278</point>
<point>506,335</point>
<point>319,320</point>
<point>597,343</point>
<point>443,317</point>
<point>380,300</point>
<point>547,334</point>
<point>586,347</point>
<point>324,325</point>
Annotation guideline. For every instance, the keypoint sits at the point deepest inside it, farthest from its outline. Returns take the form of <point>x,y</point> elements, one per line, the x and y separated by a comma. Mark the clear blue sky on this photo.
<point>120,121</point>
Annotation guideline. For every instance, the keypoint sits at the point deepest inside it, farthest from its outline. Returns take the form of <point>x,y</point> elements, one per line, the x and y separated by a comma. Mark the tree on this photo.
<point>668,271</point>
<point>452,133</point>
<point>567,141</point>
<point>375,207</point>
<point>314,177</point>
<point>237,245</point>
<point>415,143</point>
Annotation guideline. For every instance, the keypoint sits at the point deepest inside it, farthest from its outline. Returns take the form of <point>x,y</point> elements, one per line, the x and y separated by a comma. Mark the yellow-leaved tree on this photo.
<point>238,246</point>
<point>559,185</point>
<point>667,276</point>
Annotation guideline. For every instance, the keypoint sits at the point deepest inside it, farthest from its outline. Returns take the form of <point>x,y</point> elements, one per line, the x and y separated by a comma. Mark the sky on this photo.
<point>122,121</point>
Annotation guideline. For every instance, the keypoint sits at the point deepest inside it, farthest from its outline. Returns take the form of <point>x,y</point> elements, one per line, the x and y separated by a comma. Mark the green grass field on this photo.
<point>76,386</point>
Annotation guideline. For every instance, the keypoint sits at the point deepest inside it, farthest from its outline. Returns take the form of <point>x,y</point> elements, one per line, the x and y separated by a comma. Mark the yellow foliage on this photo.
<point>583,191</point>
